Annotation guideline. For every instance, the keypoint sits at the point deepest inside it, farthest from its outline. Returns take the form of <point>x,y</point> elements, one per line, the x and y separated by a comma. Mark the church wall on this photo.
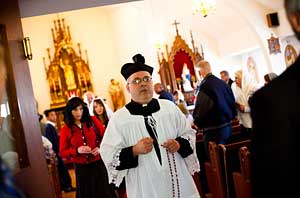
<point>239,61</point>
<point>285,34</point>
<point>145,27</point>
<point>230,64</point>
<point>284,29</point>
<point>130,36</point>
<point>112,35</point>
<point>260,64</point>
<point>217,52</point>
<point>255,15</point>
<point>280,65</point>
<point>235,42</point>
<point>150,26</point>
<point>137,30</point>
<point>91,28</point>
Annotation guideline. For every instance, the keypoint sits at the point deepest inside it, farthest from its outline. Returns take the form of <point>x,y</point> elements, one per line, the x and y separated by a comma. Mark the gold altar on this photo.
<point>68,74</point>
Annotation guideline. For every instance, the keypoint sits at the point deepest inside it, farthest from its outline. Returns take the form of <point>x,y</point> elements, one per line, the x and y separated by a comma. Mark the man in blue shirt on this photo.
<point>214,108</point>
<point>51,135</point>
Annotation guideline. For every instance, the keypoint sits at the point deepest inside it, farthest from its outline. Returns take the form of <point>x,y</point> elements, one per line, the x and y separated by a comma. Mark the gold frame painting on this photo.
<point>290,55</point>
<point>274,45</point>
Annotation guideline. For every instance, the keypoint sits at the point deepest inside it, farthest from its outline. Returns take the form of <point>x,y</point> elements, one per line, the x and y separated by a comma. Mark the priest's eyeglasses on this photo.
<point>137,81</point>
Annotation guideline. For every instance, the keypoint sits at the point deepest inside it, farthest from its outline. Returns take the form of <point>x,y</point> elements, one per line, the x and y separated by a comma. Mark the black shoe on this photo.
<point>69,189</point>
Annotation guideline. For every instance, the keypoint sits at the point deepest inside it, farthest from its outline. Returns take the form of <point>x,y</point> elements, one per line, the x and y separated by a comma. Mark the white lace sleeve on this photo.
<point>110,149</point>
<point>191,161</point>
<point>116,176</point>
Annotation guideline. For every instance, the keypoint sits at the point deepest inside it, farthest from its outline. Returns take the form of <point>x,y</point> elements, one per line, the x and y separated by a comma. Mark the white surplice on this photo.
<point>150,179</point>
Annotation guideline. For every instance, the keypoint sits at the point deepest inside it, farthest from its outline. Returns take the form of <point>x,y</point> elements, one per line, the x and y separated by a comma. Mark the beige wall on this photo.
<point>90,27</point>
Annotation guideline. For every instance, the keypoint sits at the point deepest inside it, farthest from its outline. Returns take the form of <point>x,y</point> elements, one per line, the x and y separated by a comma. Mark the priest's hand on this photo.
<point>143,146</point>
<point>171,145</point>
<point>84,149</point>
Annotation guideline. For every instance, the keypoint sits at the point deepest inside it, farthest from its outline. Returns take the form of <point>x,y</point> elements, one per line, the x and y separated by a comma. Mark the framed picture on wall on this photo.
<point>274,45</point>
<point>252,69</point>
<point>13,150</point>
<point>290,55</point>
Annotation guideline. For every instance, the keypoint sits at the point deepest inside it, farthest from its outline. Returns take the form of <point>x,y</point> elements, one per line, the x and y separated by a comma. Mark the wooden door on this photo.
<point>32,174</point>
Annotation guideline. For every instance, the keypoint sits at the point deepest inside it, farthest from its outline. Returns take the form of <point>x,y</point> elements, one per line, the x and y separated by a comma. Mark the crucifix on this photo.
<point>176,23</point>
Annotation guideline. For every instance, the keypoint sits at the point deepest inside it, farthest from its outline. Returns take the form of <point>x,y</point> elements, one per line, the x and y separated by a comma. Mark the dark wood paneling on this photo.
<point>16,126</point>
<point>34,178</point>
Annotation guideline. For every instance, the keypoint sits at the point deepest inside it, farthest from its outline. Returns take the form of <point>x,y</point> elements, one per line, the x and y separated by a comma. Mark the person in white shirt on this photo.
<point>243,88</point>
<point>88,98</point>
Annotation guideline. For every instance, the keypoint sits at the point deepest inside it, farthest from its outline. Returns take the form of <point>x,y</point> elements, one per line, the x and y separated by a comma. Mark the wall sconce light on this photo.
<point>27,48</point>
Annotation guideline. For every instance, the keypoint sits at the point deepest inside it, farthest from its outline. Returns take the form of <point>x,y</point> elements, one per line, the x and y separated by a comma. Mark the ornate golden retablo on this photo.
<point>67,74</point>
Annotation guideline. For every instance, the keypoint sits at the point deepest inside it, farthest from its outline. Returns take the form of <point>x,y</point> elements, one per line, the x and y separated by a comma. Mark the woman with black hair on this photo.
<point>100,111</point>
<point>80,141</point>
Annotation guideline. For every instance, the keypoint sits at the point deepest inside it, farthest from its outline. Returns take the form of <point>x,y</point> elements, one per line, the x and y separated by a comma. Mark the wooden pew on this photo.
<point>223,162</point>
<point>215,180</point>
<point>242,182</point>
<point>235,125</point>
<point>236,131</point>
<point>204,190</point>
<point>229,154</point>
<point>53,175</point>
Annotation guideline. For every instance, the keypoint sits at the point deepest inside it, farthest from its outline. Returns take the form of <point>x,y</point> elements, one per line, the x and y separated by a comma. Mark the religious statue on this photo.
<point>69,73</point>
<point>117,94</point>
<point>55,83</point>
<point>186,79</point>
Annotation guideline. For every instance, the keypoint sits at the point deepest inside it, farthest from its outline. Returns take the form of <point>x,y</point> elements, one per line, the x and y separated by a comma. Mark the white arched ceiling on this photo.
<point>221,28</point>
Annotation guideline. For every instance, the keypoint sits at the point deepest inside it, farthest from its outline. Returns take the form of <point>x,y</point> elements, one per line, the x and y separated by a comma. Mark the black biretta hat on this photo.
<point>130,68</point>
<point>138,58</point>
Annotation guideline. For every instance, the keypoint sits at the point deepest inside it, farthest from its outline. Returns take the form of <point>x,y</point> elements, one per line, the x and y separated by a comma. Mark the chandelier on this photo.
<point>204,7</point>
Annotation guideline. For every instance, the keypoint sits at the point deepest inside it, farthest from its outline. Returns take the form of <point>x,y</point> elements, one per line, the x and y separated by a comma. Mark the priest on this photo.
<point>149,142</point>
